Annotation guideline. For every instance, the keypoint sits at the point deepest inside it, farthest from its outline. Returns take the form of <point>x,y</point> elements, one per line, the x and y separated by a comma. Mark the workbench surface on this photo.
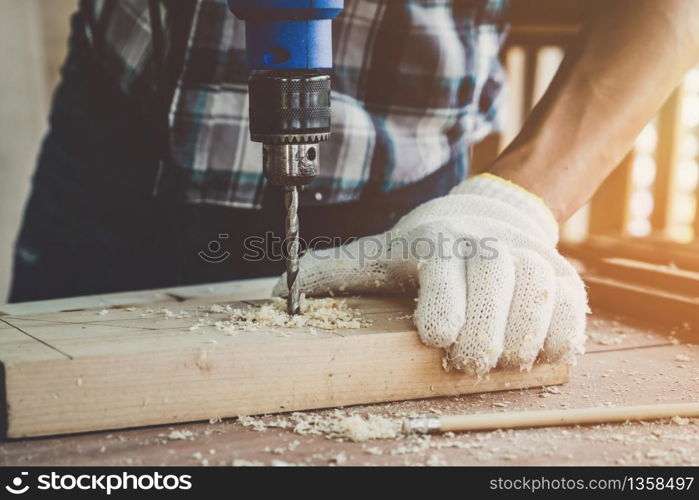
<point>625,365</point>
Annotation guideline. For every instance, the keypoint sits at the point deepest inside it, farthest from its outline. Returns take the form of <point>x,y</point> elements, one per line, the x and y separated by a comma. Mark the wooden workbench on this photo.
<point>625,364</point>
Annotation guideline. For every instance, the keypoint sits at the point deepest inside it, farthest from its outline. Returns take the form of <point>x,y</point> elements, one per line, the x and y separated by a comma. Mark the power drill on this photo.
<point>289,54</point>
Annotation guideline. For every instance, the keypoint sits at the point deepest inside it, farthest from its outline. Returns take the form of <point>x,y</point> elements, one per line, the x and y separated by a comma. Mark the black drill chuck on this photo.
<point>290,115</point>
<point>289,107</point>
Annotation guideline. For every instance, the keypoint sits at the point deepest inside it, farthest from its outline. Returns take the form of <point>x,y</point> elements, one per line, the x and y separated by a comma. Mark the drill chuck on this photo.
<point>289,107</point>
<point>289,51</point>
<point>290,115</point>
<point>290,164</point>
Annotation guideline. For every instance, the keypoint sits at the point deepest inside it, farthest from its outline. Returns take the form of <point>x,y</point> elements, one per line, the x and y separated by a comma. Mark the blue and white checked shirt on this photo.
<point>415,83</point>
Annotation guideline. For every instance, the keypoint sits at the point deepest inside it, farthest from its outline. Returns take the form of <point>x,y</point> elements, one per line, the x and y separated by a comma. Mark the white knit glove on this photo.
<point>492,288</point>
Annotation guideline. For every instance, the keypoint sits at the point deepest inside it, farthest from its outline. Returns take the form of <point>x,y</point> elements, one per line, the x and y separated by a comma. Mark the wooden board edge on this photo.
<point>542,375</point>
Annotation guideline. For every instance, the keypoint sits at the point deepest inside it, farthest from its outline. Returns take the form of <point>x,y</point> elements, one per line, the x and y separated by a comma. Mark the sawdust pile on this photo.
<point>353,428</point>
<point>337,426</point>
<point>178,435</point>
<point>324,313</point>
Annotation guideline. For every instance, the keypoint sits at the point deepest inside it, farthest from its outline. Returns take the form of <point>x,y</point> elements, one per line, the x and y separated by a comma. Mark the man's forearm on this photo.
<point>626,61</point>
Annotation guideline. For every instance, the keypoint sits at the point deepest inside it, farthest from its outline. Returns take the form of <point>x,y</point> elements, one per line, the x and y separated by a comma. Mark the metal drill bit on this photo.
<point>292,249</point>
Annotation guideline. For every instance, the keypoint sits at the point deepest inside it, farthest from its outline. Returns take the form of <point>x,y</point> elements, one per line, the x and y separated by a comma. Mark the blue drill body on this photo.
<point>288,34</point>
<point>289,53</point>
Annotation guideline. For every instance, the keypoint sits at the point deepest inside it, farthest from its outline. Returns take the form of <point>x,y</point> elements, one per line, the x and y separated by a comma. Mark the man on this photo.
<point>415,83</point>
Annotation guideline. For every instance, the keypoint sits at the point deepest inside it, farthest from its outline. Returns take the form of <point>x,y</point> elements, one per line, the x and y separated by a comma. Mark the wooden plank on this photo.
<point>531,61</point>
<point>558,14</point>
<point>256,288</point>
<point>541,35</point>
<point>542,22</point>
<point>667,278</point>
<point>609,208</point>
<point>695,222</point>
<point>644,302</point>
<point>641,279</point>
<point>597,247</point>
<point>612,378</point>
<point>666,159</point>
<point>18,347</point>
<point>124,369</point>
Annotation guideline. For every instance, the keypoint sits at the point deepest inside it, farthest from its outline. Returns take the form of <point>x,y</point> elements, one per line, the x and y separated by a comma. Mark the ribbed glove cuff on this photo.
<point>495,187</point>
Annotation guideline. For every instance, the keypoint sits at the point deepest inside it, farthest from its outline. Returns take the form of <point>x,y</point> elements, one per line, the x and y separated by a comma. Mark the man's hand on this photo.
<point>626,61</point>
<point>491,287</point>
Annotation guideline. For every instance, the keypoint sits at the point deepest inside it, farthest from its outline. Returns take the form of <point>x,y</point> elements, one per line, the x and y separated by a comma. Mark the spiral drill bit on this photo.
<point>292,249</point>
<point>291,166</point>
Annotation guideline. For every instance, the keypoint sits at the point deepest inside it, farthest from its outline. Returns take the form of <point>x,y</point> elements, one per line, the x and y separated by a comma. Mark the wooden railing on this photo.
<point>652,196</point>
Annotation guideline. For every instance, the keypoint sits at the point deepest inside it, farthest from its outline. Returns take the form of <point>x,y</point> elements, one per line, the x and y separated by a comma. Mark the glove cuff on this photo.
<point>525,202</point>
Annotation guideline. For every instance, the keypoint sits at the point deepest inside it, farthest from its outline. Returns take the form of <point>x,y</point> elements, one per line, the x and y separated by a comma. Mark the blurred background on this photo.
<point>646,208</point>
<point>33,38</point>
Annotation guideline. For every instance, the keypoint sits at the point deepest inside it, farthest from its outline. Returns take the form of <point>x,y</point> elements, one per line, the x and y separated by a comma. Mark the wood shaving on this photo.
<point>679,420</point>
<point>337,426</point>
<point>282,463</point>
<point>549,390</point>
<point>180,435</point>
<point>353,428</point>
<point>283,449</point>
<point>606,338</point>
<point>225,327</point>
<point>171,315</point>
<point>240,462</point>
<point>324,313</point>
<point>435,461</point>
<point>199,456</point>
<point>254,423</point>
<point>340,458</point>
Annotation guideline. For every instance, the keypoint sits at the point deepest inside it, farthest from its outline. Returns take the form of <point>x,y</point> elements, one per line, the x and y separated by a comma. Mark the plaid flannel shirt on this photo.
<point>415,83</point>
